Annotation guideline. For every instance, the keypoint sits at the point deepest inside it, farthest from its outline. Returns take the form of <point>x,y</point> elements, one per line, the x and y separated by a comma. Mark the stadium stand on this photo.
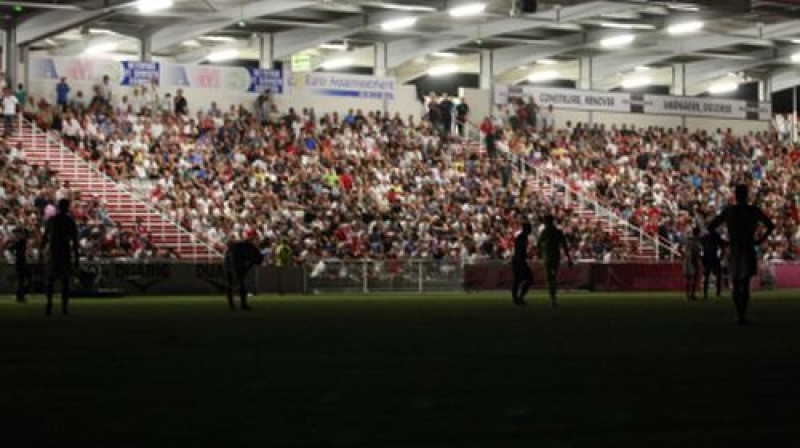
<point>365,185</point>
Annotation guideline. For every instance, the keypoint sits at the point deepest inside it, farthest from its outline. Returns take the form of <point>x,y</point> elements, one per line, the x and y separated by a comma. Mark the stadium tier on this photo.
<point>368,186</point>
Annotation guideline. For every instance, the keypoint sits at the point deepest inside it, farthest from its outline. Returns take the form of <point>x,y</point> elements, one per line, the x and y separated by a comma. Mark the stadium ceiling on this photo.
<point>750,40</point>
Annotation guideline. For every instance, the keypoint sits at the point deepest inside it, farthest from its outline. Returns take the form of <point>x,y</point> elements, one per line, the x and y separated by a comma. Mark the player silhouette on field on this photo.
<point>523,278</point>
<point>692,252</point>
<point>60,246</point>
<point>742,222</point>
<point>240,258</point>
<point>713,245</point>
<point>550,243</point>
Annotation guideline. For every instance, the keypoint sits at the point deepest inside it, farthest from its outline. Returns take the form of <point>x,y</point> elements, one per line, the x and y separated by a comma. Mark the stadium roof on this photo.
<point>747,40</point>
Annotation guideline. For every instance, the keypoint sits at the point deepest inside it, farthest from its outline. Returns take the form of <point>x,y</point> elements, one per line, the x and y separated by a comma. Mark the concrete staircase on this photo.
<point>125,206</point>
<point>551,185</point>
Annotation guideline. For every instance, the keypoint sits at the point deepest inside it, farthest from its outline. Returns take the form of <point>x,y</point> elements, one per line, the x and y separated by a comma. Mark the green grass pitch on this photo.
<point>455,370</point>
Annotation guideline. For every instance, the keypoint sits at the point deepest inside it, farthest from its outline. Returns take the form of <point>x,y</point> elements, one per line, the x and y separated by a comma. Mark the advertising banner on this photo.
<point>338,84</point>
<point>695,107</point>
<point>567,98</point>
<point>140,73</point>
<point>636,103</point>
<point>76,69</point>
<point>264,79</point>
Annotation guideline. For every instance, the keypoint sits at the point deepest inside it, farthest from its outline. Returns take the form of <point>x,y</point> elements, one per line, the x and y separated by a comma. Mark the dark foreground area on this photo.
<point>398,371</point>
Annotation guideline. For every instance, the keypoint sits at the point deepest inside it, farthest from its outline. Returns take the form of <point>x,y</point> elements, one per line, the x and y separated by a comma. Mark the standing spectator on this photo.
<point>137,101</point>
<point>446,112</point>
<point>548,119</point>
<point>181,105</point>
<point>462,115</point>
<point>21,94</point>
<point>106,90</point>
<point>62,94</point>
<point>166,104</point>
<point>263,103</point>
<point>79,103</point>
<point>9,111</point>
<point>533,113</point>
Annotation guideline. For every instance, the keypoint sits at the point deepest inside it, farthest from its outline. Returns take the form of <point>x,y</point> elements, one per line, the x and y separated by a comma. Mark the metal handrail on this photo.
<point>587,202</point>
<point>122,188</point>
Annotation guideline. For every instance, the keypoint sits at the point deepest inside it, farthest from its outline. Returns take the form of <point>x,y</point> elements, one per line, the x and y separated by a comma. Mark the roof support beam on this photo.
<point>42,26</point>
<point>189,29</point>
<point>609,65</point>
<point>785,79</point>
<point>700,73</point>
<point>404,50</point>
<point>508,58</point>
<point>289,42</point>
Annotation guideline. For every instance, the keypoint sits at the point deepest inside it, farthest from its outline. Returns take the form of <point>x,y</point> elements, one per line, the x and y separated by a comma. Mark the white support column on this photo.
<point>487,76</point>
<point>585,79</point>
<point>381,59</point>
<point>678,80</point>
<point>266,54</point>
<point>487,69</point>
<point>25,58</point>
<point>11,53</point>
<point>795,120</point>
<point>765,90</point>
<point>3,34</point>
<point>145,49</point>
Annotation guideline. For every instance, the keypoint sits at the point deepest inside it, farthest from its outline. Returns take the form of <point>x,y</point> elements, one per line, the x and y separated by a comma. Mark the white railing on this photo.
<point>555,181</point>
<point>365,275</point>
<point>105,182</point>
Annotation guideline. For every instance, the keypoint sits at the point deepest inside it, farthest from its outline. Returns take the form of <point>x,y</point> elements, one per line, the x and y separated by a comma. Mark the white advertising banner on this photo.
<point>636,103</point>
<point>345,85</point>
<point>695,107</point>
<point>567,98</point>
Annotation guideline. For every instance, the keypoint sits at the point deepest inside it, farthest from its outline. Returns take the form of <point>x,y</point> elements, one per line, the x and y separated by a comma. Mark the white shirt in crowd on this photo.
<point>10,105</point>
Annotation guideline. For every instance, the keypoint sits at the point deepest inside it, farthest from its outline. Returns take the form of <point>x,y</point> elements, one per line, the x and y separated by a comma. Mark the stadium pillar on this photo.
<point>25,58</point>
<point>11,54</point>
<point>585,76</point>
<point>794,114</point>
<point>765,90</point>
<point>381,67</point>
<point>381,59</point>
<point>266,50</point>
<point>487,76</point>
<point>145,49</point>
<point>678,80</point>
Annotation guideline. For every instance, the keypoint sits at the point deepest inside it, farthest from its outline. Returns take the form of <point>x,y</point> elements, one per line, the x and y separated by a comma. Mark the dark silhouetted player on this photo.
<point>60,246</point>
<point>19,247</point>
<point>692,252</point>
<point>742,221</point>
<point>523,278</point>
<point>551,242</point>
<point>240,258</point>
<point>713,245</point>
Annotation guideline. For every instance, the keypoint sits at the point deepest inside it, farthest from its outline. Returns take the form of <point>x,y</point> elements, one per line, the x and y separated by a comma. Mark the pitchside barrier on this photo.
<point>162,278</point>
<point>443,275</point>
<point>364,276</point>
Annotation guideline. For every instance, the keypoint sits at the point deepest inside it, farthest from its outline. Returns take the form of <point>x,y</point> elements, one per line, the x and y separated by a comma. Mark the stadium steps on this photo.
<point>539,183</point>
<point>124,208</point>
<point>645,252</point>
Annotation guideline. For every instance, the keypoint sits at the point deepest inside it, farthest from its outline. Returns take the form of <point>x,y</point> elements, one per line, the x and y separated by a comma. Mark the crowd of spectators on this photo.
<point>28,197</point>
<point>664,180</point>
<point>357,184</point>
